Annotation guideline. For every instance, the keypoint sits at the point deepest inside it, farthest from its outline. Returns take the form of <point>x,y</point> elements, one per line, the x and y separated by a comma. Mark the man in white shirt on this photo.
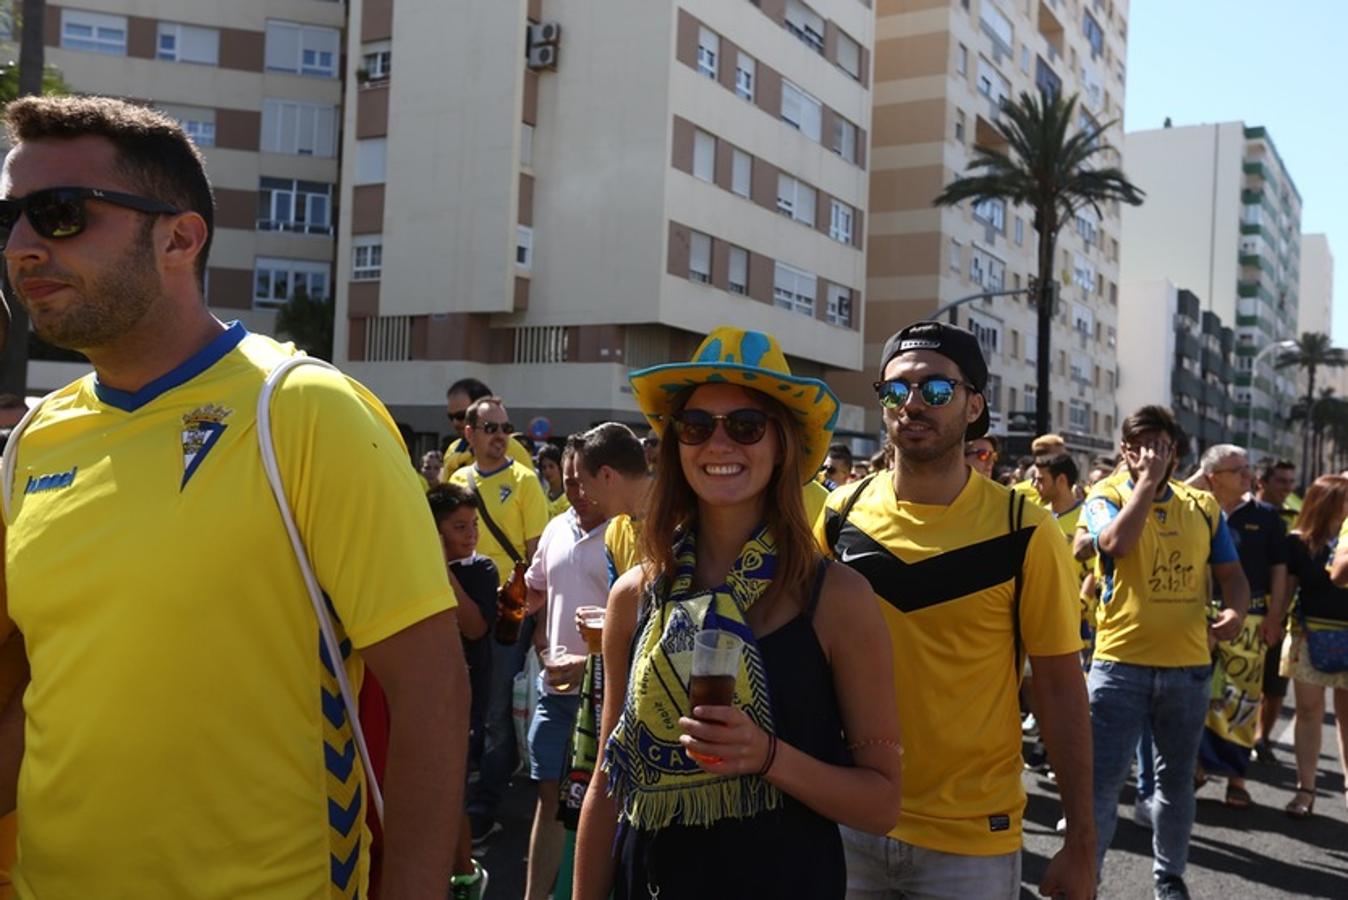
<point>569,570</point>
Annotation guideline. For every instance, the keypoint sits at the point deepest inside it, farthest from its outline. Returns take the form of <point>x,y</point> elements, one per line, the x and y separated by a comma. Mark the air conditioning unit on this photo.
<point>544,33</point>
<point>543,56</point>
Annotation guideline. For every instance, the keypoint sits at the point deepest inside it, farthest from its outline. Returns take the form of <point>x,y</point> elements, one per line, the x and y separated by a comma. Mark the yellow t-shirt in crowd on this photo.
<point>622,543</point>
<point>945,578</point>
<point>458,454</point>
<point>185,735</point>
<point>513,497</point>
<point>815,496</point>
<point>1154,601</point>
<point>558,506</point>
<point>1028,489</point>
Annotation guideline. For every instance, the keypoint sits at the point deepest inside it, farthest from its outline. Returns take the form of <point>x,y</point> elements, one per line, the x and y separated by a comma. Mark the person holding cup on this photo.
<point>718,800</point>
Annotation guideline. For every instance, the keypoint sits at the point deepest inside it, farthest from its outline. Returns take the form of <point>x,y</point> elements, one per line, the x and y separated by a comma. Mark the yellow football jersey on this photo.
<point>458,454</point>
<point>1153,602</point>
<point>622,543</point>
<point>185,735</point>
<point>946,579</point>
<point>558,506</point>
<point>514,498</point>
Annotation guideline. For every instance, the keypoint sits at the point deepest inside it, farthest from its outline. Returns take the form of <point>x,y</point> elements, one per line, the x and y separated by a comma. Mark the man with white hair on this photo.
<point>1259,535</point>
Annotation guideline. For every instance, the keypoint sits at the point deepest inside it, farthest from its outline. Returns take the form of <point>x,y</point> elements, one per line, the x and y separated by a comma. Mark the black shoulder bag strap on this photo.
<point>834,526</point>
<point>506,544</point>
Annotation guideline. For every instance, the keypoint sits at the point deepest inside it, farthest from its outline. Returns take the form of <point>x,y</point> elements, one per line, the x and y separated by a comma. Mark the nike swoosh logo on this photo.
<point>848,556</point>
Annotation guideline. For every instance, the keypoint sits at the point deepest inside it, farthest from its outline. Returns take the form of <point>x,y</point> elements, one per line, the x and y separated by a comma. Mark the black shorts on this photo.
<point>1274,684</point>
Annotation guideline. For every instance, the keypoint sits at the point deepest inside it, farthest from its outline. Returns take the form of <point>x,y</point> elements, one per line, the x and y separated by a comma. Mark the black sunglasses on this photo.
<point>935,391</point>
<point>492,428</point>
<point>457,416</point>
<point>59,212</point>
<point>743,426</point>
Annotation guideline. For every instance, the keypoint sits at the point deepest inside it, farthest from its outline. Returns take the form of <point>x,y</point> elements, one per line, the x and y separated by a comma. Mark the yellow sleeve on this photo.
<point>558,506</point>
<point>832,503</point>
<point>815,494</point>
<point>519,453</point>
<point>345,468</point>
<point>1050,613</point>
<point>533,504</point>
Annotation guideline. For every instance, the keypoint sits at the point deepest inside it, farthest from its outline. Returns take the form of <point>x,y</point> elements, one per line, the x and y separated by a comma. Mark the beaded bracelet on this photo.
<point>770,757</point>
<point>877,742</point>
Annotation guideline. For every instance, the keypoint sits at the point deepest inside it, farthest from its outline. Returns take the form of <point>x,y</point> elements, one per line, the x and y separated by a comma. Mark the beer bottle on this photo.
<point>511,604</point>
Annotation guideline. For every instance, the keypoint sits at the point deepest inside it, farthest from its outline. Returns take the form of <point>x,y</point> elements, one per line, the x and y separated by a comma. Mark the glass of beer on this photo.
<point>592,627</point>
<point>554,660</point>
<point>716,665</point>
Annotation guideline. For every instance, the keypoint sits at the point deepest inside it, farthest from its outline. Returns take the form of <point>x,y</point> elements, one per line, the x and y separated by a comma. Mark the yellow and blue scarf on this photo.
<point>654,781</point>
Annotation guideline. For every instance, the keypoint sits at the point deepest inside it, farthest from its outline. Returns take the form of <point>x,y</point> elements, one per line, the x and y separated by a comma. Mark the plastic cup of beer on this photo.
<point>555,659</point>
<point>716,665</point>
<point>592,627</point>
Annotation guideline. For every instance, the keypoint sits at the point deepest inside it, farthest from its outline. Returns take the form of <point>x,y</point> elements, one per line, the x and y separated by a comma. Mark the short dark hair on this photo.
<point>472,411</point>
<point>1267,466</point>
<point>1059,464</point>
<point>550,452</point>
<point>611,444</point>
<point>448,498</point>
<point>841,451</point>
<point>1156,418</point>
<point>1104,462</point>
<point>153,152</point>
<point>475,389</point>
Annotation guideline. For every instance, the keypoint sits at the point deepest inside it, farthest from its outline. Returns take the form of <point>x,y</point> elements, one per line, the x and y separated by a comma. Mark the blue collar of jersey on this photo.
<point>496,471</point>
<point>199,362</point>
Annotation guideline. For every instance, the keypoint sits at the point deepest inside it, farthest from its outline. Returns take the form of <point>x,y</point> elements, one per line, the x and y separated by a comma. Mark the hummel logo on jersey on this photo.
<point>506,491</point>
<point>54,482</point>
<point>202,428</point>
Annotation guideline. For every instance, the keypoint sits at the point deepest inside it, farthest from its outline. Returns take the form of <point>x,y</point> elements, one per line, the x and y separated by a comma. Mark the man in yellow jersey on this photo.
<point>1044,445</point>
<point>183,733</point>
<point>1157,539</point>
<point>970,578</point>
<point>459,453</point>
<point>510,498</point>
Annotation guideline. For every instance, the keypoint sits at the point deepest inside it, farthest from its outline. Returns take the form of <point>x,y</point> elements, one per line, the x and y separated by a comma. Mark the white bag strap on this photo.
<point>273,470</point>
<point>11,456</point>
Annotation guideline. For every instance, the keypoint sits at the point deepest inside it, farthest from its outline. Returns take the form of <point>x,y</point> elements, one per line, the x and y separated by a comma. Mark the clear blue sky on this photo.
<point>1263,63</point>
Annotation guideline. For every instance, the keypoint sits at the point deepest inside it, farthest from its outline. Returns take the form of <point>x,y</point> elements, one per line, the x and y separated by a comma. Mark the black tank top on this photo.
<point>791,851</point>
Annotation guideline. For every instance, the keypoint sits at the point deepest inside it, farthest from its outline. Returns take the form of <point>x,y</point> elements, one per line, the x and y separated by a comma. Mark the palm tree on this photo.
<point>1313,351</point>
<point>1049,166</point>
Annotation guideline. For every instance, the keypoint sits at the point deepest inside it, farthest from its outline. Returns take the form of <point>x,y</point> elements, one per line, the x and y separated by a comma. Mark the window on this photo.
<point>989,335</point>
<point>704,156</point>
<point>1086,227</point>
<point>996,26</point>
<point>991,83</point>
<point>1095,35</point>
<point>739,270</point>
<point>795,199</point>
<point>1092,87</point>
<point>1020,231</point>
<point>1083,272</point>
<point>302,49</point>
<point>1015,354</point>
<point>959,125</point>
<point>805,24</point>
<point>955,256</point>
<point>741,172</point>
<point>793,289</point>
<point>708,48</point>
<point>524,247</point>
<point>1046,79</point>
<point>744,76</point>
<point>1083,320</point>
<point>94,32</point>
<point>993,393</point>
<point>377,61</point>
<point>849,56</point>
<point>992,211</point>
<point>526,145</point>
<point>801,111</point>
<point>1078,415</point>
<point>839,309</point>
<point>699,257</point>
<point>304,129</point>
<point>367,257</point>
<point>962,60</point>
<point>371,160</point>
<point>840,222</point>
<point>276,281</point>
<point>197,122</point>
<point>184,43</point>
<point>987,270</point>
<point>300,207</point>
<point>844,139</point>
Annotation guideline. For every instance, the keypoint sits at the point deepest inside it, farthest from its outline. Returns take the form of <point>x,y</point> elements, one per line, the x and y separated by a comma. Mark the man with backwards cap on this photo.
<point>971,578</point>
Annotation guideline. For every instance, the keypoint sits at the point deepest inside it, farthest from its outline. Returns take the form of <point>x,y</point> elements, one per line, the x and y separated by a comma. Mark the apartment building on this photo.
<point>1223,217</point>
<point>257,84</point>
<point>942,71</point>
<point>1316,309</point>
<point>1172,351</point>
<point>545,195</point>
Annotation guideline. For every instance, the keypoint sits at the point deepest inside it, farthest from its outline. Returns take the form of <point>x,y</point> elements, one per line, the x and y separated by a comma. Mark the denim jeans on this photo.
<point>1174,703</point>
<point>1146,764</point>
<point>500,751</point>
<point>880,868</point>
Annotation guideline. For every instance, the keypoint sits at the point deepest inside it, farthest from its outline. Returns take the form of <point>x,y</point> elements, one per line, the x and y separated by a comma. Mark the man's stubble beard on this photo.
<point>944,445</point>
<point>111,304</point>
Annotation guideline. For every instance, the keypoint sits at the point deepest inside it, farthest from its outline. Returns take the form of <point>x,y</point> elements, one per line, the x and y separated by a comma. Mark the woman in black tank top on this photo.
<point>814,725</point>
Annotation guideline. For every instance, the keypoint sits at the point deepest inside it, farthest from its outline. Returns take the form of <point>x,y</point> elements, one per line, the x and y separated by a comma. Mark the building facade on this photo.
<point>257,84</point>
<point>943,69</point>
<point>1223,217</point>
<point>545,195</point>
<point>1174,352</point>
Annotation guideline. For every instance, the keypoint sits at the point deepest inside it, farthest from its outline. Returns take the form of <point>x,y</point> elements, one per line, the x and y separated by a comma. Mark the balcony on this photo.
<point>1051,28</point>
<point>1187,345</point>
<point>1184,383</point>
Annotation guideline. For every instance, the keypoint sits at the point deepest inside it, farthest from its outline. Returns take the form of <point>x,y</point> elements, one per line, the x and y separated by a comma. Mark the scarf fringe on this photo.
<point>730,797</point>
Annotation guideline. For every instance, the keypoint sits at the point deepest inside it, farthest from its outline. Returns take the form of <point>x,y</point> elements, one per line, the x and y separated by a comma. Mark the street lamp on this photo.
<point>986,295</point>
<point>1254,370</point>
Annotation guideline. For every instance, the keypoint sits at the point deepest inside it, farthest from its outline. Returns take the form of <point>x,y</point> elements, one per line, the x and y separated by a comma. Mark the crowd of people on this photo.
<point>735,660</point>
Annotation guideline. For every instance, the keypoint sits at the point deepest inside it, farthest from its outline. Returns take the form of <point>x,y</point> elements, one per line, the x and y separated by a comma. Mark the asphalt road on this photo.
<point>1253,854</point>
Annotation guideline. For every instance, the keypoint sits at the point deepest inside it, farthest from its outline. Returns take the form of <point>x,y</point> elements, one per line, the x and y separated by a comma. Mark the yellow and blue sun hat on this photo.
<point>753,360</point>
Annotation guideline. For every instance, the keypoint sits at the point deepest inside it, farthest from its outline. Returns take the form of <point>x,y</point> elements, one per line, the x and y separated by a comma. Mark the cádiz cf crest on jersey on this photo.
<point>202,428</point>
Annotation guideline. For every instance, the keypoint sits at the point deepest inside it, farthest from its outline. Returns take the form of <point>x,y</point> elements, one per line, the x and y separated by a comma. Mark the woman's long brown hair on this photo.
<point>673,504</point>
<point>1324,503</point>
